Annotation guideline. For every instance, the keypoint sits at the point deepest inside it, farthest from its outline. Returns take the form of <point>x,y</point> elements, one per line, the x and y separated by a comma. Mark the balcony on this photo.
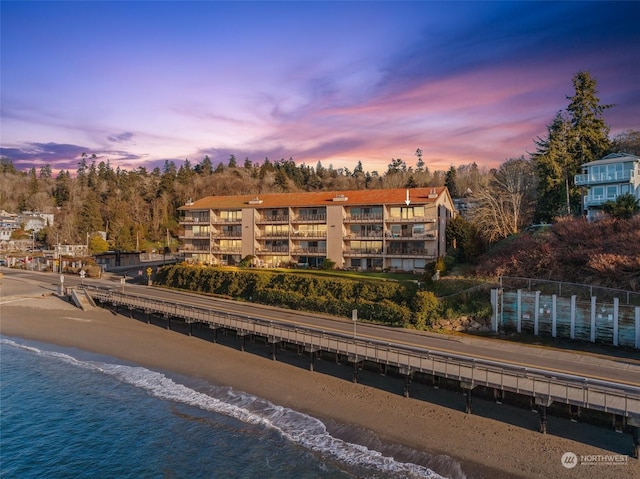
<point>193,249</point>
<point>272,234</point>
<point>364,218</point>
<point>310,251</point>
<point>597,200</point>
<point>410,253</point>
<point>416,219</point>
<point>278,250</point>
<point>193,220</point>
<point>226,221</point>
<point>363,252</point>
<point>192,235</point>
<point>227,234</point>
<point>430,235</point>
<point>272,219</point>
<point>309,234</point>
<point>363,235</point>
<point>320,218</point>
<point>226,250</point>
<point>594,179</point>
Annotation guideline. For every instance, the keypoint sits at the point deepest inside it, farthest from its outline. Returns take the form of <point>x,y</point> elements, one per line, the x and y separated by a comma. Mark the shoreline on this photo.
<point>484,447</point>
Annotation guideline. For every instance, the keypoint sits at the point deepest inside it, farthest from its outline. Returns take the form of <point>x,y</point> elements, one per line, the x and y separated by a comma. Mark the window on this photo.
<point>231,215</point>
<point>597,192</point>
<point>612,192</point>
<point>408,213</point>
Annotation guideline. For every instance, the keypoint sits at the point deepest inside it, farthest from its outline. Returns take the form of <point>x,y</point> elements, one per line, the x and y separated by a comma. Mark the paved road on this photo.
<point>620,366</point>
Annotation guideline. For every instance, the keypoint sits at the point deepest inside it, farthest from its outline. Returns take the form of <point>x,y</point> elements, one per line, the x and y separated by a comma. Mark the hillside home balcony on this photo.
<point>598,200</point>
<point>598,178</point>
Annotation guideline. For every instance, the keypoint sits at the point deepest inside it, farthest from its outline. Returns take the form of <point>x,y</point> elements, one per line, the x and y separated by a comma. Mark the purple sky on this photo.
<point>138,83</point>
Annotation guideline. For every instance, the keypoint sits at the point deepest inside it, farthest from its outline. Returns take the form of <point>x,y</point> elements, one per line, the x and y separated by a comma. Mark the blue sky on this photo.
<point>138,83</point>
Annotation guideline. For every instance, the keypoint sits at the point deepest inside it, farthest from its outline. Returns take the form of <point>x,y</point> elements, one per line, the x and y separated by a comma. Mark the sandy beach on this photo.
<point>486,447</point>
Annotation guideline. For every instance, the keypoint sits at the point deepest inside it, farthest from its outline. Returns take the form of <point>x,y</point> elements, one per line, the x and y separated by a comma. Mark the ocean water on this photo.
<point>66,413</point>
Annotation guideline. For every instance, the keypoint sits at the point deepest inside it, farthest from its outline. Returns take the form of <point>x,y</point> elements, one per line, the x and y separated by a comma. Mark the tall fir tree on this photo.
<point>575,137</point>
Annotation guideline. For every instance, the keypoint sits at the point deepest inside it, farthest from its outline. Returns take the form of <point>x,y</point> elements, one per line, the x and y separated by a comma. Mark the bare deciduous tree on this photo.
<point>506,205</point>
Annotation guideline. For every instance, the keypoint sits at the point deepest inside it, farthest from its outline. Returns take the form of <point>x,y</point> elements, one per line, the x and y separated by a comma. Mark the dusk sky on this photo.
<point>138,83</point>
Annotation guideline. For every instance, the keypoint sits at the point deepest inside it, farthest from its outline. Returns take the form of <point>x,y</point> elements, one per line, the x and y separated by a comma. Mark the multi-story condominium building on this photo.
<point>608,178</point>
<point>397,229</point>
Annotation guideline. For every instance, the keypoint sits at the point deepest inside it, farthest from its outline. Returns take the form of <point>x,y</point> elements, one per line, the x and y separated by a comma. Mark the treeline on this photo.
<point>385,302</point>
<point>138,209</point>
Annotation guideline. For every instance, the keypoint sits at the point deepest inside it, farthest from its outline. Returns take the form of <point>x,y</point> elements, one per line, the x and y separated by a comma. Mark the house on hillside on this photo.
<point>372,230</point>
<point>606,179</point>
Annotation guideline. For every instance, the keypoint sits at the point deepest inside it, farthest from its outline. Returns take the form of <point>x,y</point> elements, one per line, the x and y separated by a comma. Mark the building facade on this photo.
<point>606,179</point>
<point>368,230</point>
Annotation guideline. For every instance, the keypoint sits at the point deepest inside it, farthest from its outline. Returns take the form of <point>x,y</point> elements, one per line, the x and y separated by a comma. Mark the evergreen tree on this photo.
<point>205,168</point>
<point>450,182</point>
<point>553,163</point>
<point>590,134</point>
<point>420,162</point>
<point>45,172</point>
<point>576,137</point>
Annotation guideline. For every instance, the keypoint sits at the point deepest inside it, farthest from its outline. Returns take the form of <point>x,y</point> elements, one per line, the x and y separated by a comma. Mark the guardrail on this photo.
<point>546,386</point>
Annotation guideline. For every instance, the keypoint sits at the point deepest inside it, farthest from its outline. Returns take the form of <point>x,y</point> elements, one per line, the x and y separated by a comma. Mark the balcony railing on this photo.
<point>193,220</point>
<point>309,234</point>
<point>416,219</point>
<point>591,179</point>
<point>309,218</point>
<point>410,253</point>
<point>364,218</point>
<point>227,234</point>
<point>272,234</point>
<point>192,235</point>
<point>363,252</point>
<point>310,251</point>
<point>273,250</point>
<point>272,219</point>
<point>363,235</point>
<point>596,200</point>
<point>431,235</point>
<point>226,250</point>
<point>226,220</point>
<point>191,249</point>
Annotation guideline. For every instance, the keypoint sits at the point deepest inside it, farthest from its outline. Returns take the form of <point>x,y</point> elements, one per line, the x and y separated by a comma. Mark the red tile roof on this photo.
<point>395,196</point>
